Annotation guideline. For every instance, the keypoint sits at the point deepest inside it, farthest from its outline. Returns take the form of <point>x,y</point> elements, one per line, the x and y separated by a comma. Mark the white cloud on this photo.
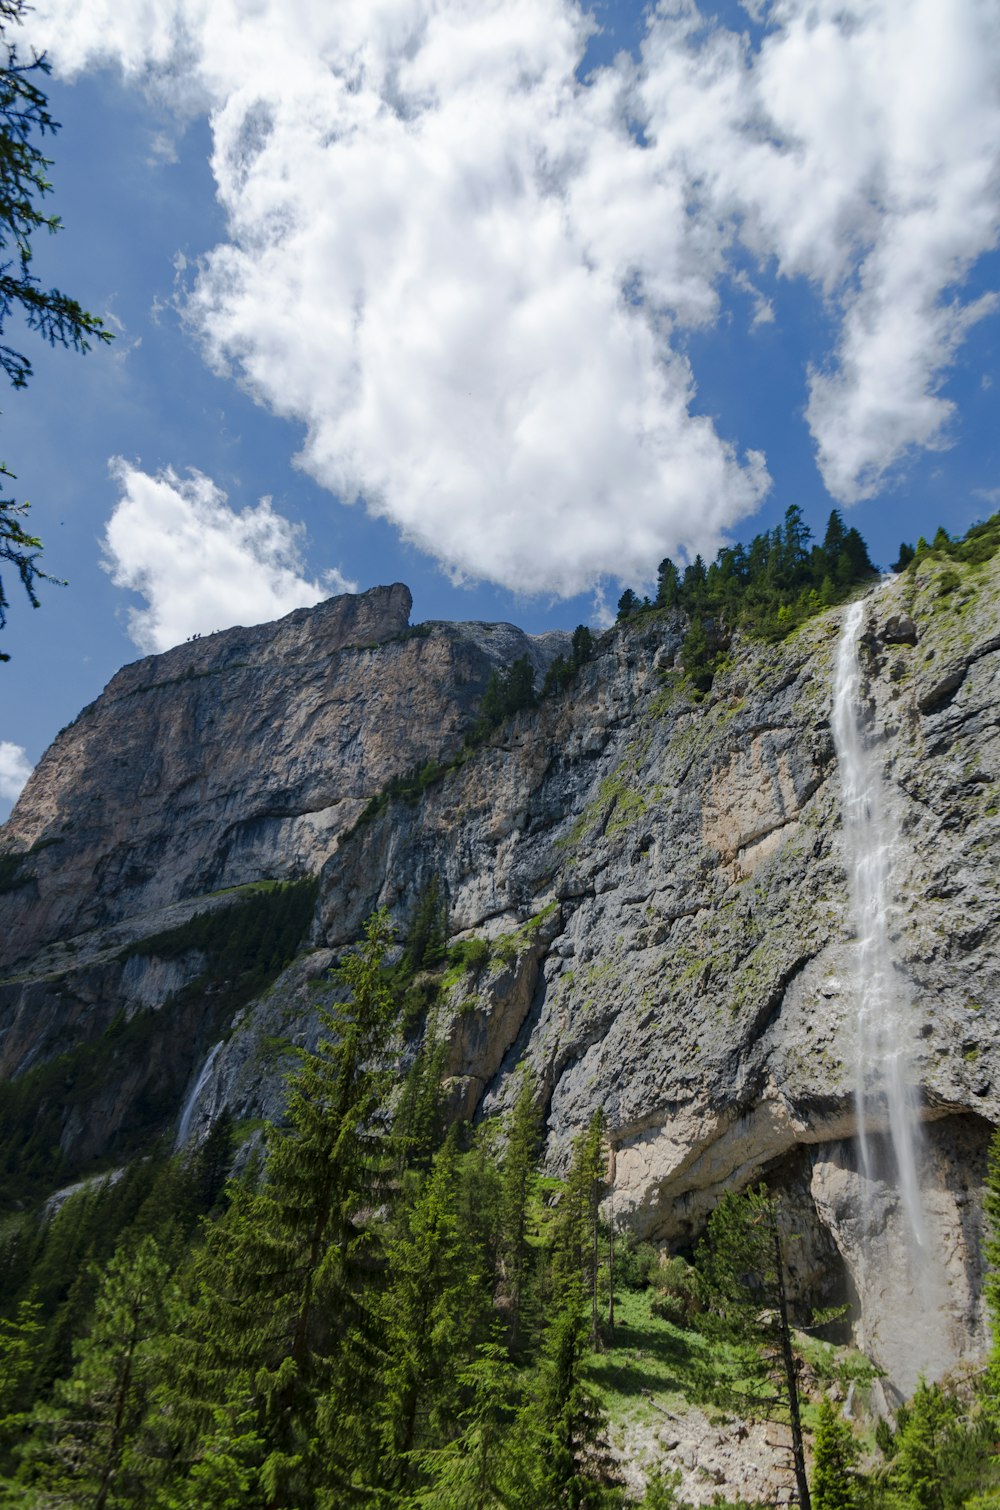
<point>464,274</point>
<point>200,565</point>
<point>763,308</point>
<point>15,768</point>
<point>162,150</point>
<point>858,148</point>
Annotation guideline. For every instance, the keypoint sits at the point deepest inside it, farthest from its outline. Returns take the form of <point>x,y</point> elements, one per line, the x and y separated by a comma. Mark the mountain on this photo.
<point>658,878</point>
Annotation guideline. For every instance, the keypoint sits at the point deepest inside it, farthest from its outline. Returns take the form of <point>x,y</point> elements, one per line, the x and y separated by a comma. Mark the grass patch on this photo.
<point>652,1360</point>
<point>509,946</point>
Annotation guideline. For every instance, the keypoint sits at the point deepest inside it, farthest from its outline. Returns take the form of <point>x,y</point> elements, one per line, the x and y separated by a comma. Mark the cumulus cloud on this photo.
<point>15,768</point>
<point>201,565</point>
<point>469,275</point>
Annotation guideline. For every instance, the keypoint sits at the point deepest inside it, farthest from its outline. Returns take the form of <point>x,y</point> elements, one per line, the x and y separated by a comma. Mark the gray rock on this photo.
<point>691,971</point>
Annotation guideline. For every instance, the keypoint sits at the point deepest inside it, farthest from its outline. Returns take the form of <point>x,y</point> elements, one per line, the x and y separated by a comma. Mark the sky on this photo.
<point>504,299</point>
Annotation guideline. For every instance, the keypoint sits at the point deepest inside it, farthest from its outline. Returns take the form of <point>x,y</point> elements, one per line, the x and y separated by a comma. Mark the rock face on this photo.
<point>238,757</point>
<point>662,880</point>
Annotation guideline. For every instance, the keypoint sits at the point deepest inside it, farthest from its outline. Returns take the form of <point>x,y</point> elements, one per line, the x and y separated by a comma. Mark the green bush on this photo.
<point>470,954</point>
<point>676,1291</point>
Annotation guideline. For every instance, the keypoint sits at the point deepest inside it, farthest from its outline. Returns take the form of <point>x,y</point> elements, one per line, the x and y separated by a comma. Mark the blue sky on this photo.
<point>547,297</point>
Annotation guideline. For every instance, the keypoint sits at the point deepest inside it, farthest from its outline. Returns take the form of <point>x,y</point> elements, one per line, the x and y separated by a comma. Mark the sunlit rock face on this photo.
<point>238,757</point>
<point>669,876</point>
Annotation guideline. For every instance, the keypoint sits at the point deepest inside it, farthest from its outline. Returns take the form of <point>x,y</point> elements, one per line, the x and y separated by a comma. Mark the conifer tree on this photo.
<point>477,1470</point>
<point>661,1491</point>
<point>281,1318</point>
<point>577,1239</point>
<point>742,1277</point>
<point>991,1286</point>
<point>921,1448</point>
<point>628,604</point>
<point>433,1313</point>
<point>567,1419</point>
<point>80,1451</point>
<point>418,1124</point>
<point>668,584</point>
<point>583,645</point>
<point>518,1181</point>
<point>834,1486</point>
<point>19,1338</point>
<point>425,943</point>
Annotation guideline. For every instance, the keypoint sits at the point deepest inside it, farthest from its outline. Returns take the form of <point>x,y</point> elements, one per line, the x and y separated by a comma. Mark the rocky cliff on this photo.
<point>661,880</point>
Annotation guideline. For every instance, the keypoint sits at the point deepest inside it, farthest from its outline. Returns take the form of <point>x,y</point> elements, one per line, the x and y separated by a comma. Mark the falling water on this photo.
<point>884,1080</point>
<point>187,1115</point>
<point>900,1279</point>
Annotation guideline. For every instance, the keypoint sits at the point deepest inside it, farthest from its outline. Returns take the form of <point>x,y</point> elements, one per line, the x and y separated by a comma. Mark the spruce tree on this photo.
<point>433,1314</point>
<point>19,1339</point>
<point>518,1181</point>
<point>742,1281</point>
<point>81,1447</point>
<point>835,1452</point>
<point>567,1418</point>
<point>477,1470</point>
<point>577,1258</point>
<point>921,1448</point>
<point>281,1317</point>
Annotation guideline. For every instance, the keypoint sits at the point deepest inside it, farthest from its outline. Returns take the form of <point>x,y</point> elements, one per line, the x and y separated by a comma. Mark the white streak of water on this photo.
<point>884,1083</point>
<point>187,1115</point>
<point>886,1095</point>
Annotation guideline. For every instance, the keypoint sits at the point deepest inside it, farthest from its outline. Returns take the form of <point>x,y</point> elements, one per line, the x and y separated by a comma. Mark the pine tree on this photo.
<point>80,1448</point>
<point>921,1447</point>
<point>281,1317</point>
<point>433,1313</point>
<point>742,1280</point>
<point>583,645</point>
<point>518,1181</point>
<point>668,584</point>
<point>835,1452</point>
<point>628,604</point>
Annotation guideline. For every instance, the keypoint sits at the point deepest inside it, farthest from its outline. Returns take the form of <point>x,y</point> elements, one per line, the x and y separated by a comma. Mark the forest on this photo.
<point>782,578</point>
<point>384,1309</point>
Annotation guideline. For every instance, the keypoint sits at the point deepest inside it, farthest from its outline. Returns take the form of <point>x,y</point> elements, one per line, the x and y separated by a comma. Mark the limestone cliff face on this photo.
<point>237,757</point>
<point>663,882</point>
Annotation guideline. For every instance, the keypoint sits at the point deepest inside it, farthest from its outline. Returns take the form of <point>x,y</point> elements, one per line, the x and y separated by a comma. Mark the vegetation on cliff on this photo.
<point>767,589</point>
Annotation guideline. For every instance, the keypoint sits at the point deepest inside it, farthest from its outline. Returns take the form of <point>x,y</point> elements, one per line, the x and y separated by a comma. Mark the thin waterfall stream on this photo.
<point>187,1115</point>
<point>889,1136</point>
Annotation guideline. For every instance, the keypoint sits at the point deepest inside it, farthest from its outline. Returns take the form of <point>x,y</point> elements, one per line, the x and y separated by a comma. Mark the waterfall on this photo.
<point>895,1243</point>
<point>187,1115</point>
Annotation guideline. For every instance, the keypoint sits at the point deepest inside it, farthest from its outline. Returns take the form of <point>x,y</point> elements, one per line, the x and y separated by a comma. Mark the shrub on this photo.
<point>471,954</point>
